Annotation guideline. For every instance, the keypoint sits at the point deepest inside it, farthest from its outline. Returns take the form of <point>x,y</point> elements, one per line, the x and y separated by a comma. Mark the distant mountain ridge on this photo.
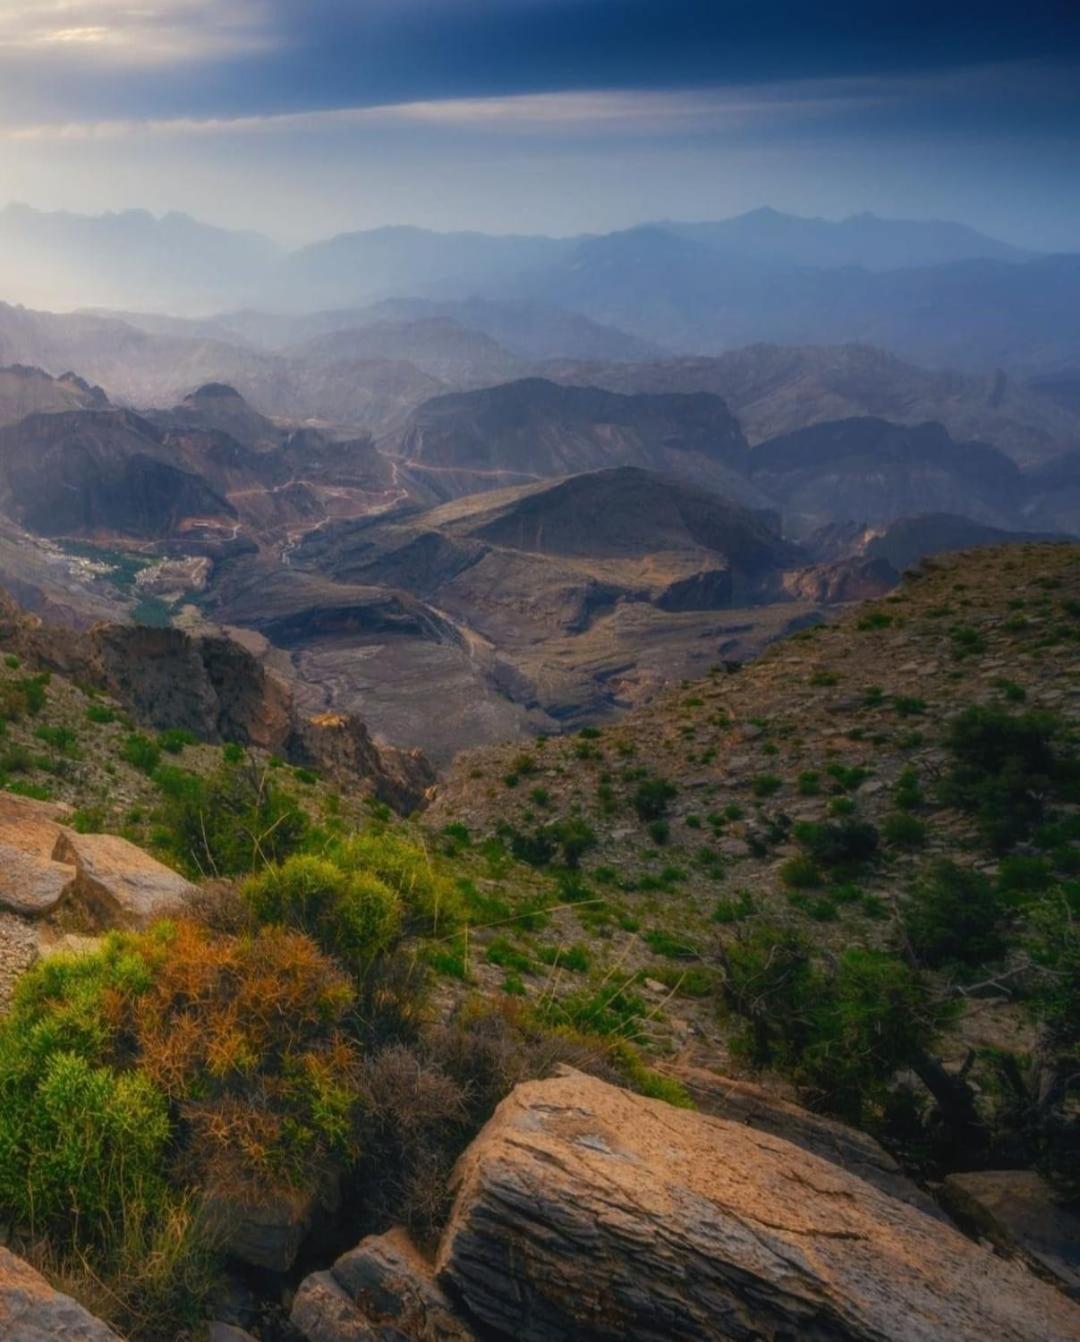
<point>698,287</point>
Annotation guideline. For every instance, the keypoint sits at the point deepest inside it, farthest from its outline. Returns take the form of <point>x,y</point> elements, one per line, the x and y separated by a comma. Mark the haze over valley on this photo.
<point>321,473</point>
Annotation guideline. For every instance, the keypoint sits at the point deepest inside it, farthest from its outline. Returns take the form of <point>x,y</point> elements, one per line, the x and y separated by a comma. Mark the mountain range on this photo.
<point>936,292</point>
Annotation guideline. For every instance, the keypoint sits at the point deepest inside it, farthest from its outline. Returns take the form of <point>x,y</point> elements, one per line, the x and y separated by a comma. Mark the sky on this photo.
<point>307,117</point>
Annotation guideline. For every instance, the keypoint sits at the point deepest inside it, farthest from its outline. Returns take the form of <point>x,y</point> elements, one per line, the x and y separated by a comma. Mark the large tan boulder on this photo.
<point>119,884</point>
<point>585,1212</point>
<point>758,1108</point>
<point>31,1311</point>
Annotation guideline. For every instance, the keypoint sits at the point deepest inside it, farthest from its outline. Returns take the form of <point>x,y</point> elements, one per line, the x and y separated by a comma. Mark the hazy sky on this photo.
<point>305,117</point>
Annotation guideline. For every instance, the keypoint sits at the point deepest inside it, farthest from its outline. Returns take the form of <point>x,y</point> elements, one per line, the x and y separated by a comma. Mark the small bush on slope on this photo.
<point>1006,768</point>
<point>230,824</point>
<point>430,898</point>
<point>350,913</point>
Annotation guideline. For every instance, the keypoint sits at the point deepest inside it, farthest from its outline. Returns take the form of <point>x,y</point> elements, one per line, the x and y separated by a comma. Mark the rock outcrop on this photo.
<point>208,685</point>
<point>217,689</point>
<point>583,1211</point>
<point>339,745</point>
<point>32,1311</point>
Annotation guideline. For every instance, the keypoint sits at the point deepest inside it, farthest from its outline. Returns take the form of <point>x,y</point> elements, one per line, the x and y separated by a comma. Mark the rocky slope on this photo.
<point>31,391</point>
<point>100,473</point>
<point>776,389</point>
<point>869,470</point>
<point>535,429</point>
<point>824,725</point>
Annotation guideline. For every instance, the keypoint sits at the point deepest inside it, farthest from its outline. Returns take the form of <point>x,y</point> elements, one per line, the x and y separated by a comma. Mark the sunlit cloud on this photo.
<point>616,113</point>
<point>144,33</point>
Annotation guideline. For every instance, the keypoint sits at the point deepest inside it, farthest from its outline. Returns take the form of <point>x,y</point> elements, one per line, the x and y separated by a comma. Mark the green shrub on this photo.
<point>604,1010</point>
<point>800,872</point>
<point>809,783</point>
<point>1021,876</point>
<point>432,901</point>
<point>907,793</point>
<point>769,981</point>
<point>954,915</point>
<point>102,1054</point>
<point>574,957</point>
<point>351,914</point>
<point>102,714</point>
<point>848,777</point>
<point>1005,768</point>
<point>142,752</point>
<point>575,838</point>
<point>869,1021</point>
<point>909,705</point>
<point>966,642</point>
<point>842,847</point>
<point>62,739</point>
<point>728,910</point>
<point>653,797</point>
<point>32,689</point>
<point>663,942</point>
<point>659,831</point>
<point>175,739</point>
<point>230,824</point>
<point>766,785</point>
<point>904,830</point>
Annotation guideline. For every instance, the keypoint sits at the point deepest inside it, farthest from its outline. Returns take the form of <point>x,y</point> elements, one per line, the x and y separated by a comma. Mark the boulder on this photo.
<point>268,1231</point>
<point>32,1311</point>
<point>31,885</point>
<point>322,1312</point>
<point>743,1102</point>
<point>1016,1210</point>
<point>381,1291</point>
<point>31,825</point>
<point>117,883</point>
<point>585,1212</point>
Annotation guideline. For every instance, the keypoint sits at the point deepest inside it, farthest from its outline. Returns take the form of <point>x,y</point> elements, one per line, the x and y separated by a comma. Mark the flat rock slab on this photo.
<point>118,882</point>
<point>32,885</point>
<point>585,1212</point>
<point>31,1311</point>
<point>1016,1209</point>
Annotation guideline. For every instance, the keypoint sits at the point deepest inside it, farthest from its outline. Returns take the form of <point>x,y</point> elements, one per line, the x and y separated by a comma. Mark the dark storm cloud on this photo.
<point>263,57</point>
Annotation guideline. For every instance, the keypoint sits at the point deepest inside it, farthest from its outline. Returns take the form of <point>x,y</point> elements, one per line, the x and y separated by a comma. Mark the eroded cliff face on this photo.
<point>218,690</point>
